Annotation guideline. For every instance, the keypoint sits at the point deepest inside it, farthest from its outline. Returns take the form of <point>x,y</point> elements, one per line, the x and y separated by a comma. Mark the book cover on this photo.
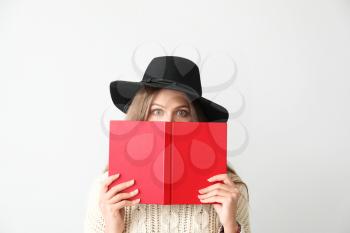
<point>169,161</point>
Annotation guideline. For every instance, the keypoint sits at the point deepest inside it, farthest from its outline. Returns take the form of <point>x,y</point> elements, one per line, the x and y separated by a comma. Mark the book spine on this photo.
<point>167,163</point>
<point>171,163</point>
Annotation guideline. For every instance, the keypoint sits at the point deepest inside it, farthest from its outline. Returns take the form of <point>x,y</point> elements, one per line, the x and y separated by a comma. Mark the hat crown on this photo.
<point>174,70</point>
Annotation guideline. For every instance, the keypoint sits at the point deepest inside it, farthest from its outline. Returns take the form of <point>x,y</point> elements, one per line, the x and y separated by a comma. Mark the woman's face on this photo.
<point>169,105</point>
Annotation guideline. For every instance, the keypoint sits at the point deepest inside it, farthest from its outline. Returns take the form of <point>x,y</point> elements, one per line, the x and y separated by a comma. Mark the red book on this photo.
<point>169,161</point>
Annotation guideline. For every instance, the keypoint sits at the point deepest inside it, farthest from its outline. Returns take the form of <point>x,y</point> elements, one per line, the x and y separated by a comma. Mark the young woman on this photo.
<point>169,91</point>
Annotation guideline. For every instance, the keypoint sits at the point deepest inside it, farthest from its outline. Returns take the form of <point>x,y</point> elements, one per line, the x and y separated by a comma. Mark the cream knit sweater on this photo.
<point>144,218</point>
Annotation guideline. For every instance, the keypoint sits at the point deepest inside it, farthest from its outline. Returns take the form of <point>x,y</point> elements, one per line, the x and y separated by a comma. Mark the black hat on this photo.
<point>171,72</point>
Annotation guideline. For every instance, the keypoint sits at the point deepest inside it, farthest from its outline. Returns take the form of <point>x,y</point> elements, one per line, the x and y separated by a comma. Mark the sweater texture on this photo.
<point>150,218</point>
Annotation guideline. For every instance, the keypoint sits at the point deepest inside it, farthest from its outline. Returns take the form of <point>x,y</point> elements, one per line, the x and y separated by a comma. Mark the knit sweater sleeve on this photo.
<point>243,210</point>
<point>94,221</point>
<point>242,216</point>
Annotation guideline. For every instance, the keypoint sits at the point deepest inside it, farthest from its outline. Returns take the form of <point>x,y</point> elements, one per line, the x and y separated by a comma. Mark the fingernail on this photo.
<point>116,175</point>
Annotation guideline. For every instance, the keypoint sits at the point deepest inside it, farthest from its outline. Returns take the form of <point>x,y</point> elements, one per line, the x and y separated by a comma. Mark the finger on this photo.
<point>216,186</point>
<point>122,196</point>
<point>108,181</point>
<point>221,177</point>
<point>124,203</point>
<point>214,199</point>
<point>216,192</point>
<point>119,187</point>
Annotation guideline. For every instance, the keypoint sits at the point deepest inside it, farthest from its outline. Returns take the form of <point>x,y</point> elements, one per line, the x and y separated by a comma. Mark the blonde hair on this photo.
<point>139,110</point>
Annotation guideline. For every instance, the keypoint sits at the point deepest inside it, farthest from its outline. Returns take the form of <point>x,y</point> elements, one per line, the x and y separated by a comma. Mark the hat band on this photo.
<point>171,83</point>
<point>162,81</point>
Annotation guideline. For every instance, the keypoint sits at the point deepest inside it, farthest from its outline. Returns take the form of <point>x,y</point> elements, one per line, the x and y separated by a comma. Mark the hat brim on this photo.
<point>122,93</point>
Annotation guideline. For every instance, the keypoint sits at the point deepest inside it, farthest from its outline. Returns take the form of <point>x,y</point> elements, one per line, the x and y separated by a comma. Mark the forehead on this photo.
<point>170,97</point>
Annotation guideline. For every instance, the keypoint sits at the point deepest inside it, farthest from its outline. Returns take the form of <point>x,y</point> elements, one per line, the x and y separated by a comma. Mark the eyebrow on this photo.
<point>185,105</point>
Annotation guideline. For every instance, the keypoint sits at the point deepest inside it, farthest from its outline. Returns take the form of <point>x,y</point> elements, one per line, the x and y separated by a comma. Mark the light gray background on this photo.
<point>57,59</point>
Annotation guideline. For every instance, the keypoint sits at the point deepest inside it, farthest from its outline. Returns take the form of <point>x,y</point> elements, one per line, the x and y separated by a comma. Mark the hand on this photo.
<point>112,203</point>
<point>227,194</point>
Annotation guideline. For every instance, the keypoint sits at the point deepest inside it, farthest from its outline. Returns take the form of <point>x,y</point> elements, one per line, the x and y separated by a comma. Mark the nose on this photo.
<point>169,118</point>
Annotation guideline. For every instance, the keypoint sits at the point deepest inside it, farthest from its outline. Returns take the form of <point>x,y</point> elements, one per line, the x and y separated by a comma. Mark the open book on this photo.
<point>169,161</point>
